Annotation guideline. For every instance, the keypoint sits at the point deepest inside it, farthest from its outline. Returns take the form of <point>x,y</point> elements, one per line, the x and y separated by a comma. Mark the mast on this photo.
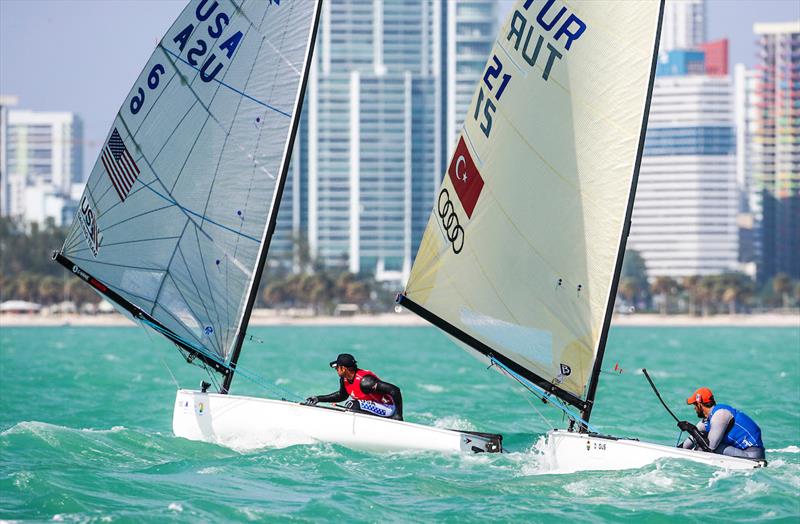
<point>270,229</point>
<point>626,227</point>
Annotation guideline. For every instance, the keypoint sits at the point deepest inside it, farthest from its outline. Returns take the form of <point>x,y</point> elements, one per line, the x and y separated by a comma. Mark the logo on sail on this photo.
<point>88,219</point>
<point>449,219</point>
<point>465,177</point>
<point>119,164</point>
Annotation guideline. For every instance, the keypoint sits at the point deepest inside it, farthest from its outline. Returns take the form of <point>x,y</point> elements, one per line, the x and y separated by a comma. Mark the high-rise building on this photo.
<point>471,32</point>
<point>775,153</point>
<point>684,25</point>
<point>6,103</point>
<point>684,218</point>
<point>389,85</point>
<point>749,206</point>
<point>43,156</point>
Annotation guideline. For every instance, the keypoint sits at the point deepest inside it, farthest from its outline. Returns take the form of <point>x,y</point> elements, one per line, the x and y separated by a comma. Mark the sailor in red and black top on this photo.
<point>365,392</point>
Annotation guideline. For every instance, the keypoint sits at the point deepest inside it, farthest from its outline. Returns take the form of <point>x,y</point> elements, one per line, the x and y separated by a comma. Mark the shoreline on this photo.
<point>265,317</point>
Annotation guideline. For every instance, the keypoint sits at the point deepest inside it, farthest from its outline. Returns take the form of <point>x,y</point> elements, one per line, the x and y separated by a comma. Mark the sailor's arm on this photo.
<point>336,396</point>
<point>689,443</point>
<point>718,427</point>
<point>370,384</point>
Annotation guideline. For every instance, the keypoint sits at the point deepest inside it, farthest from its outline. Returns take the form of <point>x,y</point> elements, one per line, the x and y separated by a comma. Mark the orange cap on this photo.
<point>702,395</point>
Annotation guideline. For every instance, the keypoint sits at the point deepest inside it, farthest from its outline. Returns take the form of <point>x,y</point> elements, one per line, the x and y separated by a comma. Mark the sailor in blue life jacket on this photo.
<point>724,430</point>
<point>363,390</point>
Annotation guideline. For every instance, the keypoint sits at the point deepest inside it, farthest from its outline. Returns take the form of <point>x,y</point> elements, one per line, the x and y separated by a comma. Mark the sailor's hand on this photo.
<point>310,401</point>
<point>685,426</point>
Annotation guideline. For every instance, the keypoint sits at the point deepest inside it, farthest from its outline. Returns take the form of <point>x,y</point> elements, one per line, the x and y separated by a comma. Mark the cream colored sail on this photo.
<point>522,244</point>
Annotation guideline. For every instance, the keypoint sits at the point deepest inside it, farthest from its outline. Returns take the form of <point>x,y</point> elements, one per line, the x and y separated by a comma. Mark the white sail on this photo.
<point>522,244</point>
<point>176,213</point>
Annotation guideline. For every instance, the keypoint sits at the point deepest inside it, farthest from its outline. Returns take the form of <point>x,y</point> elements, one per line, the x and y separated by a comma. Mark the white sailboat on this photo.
<point>177,216</point>
<point>521,257</point>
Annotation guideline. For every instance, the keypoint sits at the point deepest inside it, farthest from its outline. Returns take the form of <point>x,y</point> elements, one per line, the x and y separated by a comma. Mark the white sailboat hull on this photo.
<point>250,423</point>
<point>568,452</point>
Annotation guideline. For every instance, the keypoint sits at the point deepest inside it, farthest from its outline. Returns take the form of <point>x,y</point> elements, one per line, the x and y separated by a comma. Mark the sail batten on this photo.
<point>522,247</point>
<point>176,212</point>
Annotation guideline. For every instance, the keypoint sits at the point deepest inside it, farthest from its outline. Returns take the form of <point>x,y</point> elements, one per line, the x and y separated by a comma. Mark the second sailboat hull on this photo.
<point>249,423</point>
<point>567,452</point>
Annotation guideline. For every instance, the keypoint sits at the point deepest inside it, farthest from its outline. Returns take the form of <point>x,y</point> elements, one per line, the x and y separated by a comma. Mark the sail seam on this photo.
<point>194,284</point>
<point>489,352</point>
<point>273,212</point>
<point>208,282</point>
<point>242,93</point>
<point>594,378</point>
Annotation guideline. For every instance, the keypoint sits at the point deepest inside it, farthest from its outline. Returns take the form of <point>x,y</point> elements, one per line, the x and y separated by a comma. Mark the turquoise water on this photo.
<point>85,431</point>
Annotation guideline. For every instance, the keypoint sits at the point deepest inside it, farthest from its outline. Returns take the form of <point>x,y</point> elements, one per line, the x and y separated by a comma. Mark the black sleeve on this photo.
<point>336,396</point>
<point>371,384</point>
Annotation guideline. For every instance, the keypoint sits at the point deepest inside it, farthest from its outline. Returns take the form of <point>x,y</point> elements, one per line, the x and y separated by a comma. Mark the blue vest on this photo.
<point>744,434</point>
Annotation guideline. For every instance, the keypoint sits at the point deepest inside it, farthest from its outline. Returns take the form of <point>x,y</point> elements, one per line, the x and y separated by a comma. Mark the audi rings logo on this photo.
<point>447,214</point>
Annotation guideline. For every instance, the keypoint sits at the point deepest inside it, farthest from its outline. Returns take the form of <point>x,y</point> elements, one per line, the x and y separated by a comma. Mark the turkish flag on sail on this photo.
<point>465,177</point>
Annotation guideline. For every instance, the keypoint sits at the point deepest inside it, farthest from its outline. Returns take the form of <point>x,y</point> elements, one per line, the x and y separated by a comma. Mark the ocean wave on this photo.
<point>787,449</point>
<point>655,374</point>
<point>454,422</point>
<point>751,487</point>
<point>37,427</point>
<point>432,388</point>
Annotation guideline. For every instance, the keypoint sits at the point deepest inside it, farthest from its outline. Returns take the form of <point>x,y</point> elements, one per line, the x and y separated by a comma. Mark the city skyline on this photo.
<point>93,79</point>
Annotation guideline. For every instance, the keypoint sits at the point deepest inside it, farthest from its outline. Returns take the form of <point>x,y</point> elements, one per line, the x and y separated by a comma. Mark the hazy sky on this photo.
<point>84,55</point>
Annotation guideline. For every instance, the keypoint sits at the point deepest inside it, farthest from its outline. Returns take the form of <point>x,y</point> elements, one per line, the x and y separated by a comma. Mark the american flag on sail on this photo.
<point>119,164</point>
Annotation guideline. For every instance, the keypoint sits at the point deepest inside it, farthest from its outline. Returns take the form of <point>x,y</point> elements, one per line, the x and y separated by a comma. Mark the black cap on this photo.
<point>345,359</point>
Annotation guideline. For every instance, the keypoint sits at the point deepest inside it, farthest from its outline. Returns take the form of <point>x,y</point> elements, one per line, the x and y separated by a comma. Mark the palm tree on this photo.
<point>691,285</point>
<point>629,288</point>
<point>781,285</point>
<point>664,287</point>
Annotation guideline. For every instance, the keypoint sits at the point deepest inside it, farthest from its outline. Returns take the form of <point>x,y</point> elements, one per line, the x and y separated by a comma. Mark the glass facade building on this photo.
<point>388,91</point>
<point>775,149</point>
<point>684,218</point>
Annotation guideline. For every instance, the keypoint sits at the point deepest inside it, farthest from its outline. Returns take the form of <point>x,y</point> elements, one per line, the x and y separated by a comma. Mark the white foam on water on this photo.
<point>788,449</point>
<point>274,439</point>
<point>57,518</point>
<point>432,388</point>
<point>535,461</point>
<point>719,475</point>
<point>174,506</point>
<point>454,422</point>
<point>22,479</point>
<point>111,358</point>
<point>656,373</point>
<point>751,487</point>
<point>211,470</point>
<point>282,381</point>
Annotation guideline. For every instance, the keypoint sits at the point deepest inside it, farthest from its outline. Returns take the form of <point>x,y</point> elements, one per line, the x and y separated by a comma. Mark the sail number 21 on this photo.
<point>485,116</point>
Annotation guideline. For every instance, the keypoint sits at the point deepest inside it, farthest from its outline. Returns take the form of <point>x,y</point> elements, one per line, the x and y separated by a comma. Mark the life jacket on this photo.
<point>743,434</point>
<point>354,389</point>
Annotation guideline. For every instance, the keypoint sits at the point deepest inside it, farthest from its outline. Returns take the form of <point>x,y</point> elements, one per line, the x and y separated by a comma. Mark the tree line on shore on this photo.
<point>27,273</point>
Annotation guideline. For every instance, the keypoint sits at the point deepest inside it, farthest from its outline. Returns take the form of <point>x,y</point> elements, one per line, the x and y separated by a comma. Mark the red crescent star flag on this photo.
<point>465,177</point>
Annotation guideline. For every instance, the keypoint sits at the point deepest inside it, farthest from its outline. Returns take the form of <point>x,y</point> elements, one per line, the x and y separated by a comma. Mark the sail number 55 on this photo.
<point>486,106</point>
